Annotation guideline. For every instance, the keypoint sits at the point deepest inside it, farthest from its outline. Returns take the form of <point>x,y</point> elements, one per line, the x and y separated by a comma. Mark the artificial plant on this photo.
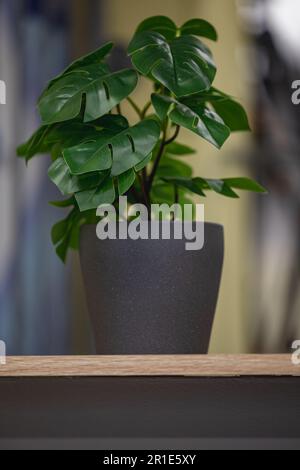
<point>98,156</point>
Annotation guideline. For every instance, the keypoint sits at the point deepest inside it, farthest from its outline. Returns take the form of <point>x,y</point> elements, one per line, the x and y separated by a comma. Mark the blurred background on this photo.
<point>42,304</point>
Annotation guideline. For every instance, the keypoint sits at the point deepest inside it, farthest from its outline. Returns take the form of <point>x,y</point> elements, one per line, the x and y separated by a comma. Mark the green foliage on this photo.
<point>98,156</point>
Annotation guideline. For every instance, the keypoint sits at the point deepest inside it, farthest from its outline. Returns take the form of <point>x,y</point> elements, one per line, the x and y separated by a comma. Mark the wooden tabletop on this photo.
<point>135,366</point>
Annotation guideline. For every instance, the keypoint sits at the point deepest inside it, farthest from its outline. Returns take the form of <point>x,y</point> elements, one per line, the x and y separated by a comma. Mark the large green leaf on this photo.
<point>69,134</point>
<point>167,28</point>
<point>95,57</point>
<point>195,116</point>
<point>199,27</point>
<point>118,151</point>
<point>159,24</point>
<point>183,64</point>
<point>92,85</point>
<point>105,193</point>
<point>67,183</point>
<point>224,187</point>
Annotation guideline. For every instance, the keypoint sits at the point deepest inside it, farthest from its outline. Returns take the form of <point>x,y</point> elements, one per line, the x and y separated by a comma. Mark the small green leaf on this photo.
<point>64,203</point>
<point>199,27</point>
<point>126,181</point>
<point>59,231</point>
<point>233,114</point>
<point>194,185</point>
<point>245,184</point>
<point>179,150</point>
<point>173,168</point>
<point>92,199</point>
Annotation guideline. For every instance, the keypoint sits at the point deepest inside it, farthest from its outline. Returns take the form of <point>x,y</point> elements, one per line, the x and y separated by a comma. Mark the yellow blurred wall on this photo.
<point>121,17</point>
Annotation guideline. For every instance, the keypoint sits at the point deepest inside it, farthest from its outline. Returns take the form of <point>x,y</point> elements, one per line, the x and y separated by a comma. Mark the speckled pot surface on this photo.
<point>151,296</point>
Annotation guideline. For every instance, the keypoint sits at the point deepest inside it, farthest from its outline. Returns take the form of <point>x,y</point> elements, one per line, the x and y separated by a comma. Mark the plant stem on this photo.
<point>135,107</point>
<point>164,143</point>
<point>168,142</point>
<point>145,109</point>
<point>157,161</point>
<point>144,192</point>
<point>119,109</point>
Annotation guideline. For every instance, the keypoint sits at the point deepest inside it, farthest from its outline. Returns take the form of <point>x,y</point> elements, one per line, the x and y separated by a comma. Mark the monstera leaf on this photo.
<point>95,57</point>
<point>176,58</point>
<point>224,187</point>
<point>118,151</point>
<point>198,118</point>
<point>67,183</point>
<point>64,135</point>
<point>93,86</point>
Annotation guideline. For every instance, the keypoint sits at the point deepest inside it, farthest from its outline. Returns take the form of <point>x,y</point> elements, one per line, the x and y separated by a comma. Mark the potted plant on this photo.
<point>145,296</point>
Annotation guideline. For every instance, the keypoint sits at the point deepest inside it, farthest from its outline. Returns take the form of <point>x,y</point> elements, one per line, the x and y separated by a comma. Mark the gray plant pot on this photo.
<point>151,296</point>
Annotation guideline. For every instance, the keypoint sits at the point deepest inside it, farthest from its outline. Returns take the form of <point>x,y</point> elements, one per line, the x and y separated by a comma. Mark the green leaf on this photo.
<point>173,168</point>
<point>164,193</point>
<point>60,175</point>
<point>196,117</point>
<point>116,151</point>
<point>179,150</point>
<point>64,203</point>
<point>194,185</point>
<point>199,27</point>
<point>144,163</point>
<point>59,231</point>
<point>159,24</point>
<point>220,186</point>
<point>245,184</point>
<point>92,199</point>
<point>126,181</point>
<point>184,65</point>
<point>95,57</point>
<point>54,138</point>
<point>233,114</point>
<point>93,84</point>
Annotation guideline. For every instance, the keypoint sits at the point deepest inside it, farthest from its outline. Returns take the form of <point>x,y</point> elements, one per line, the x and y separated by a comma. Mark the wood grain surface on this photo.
<point>178,366</point>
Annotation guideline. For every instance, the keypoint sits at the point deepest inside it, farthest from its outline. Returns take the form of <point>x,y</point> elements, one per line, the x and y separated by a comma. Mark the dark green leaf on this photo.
<point>59,231</point>
<point>116,151</point>
<point>102,90</point>
<point>95,57</point>
<point>173,168</point>
<point>184,65</point>
<point>199,27</point>
<point>196,117</point>
<point>64,203</point>
<point>233,114</point>
<point>179,150</point>
<point>60,175</point>
<point>245,184</point>
<point>126,181</point>
<point>103,194</point>
<point>144,163</point>
<point>159,24</point>
<point>195,185</point>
